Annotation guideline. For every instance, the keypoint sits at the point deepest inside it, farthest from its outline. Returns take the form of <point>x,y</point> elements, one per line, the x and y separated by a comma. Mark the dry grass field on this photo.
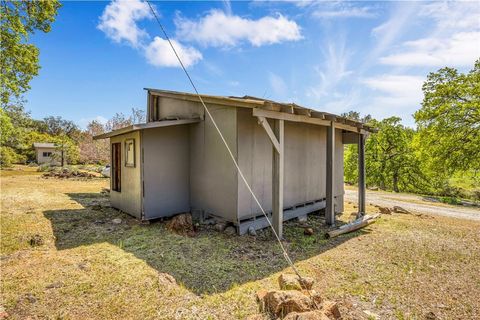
<point>63,257</point>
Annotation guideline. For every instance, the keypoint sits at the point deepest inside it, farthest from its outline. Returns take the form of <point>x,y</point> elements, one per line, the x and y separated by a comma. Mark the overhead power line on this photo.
<point>285,253</point>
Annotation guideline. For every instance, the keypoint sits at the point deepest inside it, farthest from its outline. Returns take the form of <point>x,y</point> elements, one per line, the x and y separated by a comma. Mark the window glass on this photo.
<point>130,153</point>
<point>47,154</point>
<point>115,170</point>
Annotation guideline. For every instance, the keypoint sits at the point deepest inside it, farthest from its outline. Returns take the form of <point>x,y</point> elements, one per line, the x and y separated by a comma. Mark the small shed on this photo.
<point>44,152</point>
<point>176,162</point>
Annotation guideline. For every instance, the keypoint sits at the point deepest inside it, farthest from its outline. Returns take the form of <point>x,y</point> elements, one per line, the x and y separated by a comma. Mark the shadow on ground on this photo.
<point>207,263</point>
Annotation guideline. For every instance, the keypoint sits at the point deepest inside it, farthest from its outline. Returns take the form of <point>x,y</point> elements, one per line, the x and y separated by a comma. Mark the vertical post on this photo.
<point>330,207</point>
<point>361,174</point>
<point>277,182</point>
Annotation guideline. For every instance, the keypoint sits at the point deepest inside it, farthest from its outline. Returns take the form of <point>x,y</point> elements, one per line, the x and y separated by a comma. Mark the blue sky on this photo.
<point>337,56</point>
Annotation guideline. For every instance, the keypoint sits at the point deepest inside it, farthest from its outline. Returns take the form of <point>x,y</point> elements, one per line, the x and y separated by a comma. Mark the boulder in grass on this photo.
<point>182,224</point>
<point>330,309</point>
<point>315,297</point>
<point>308,231</point>
<point>293,282</point>
<point>260,297</point>
<point>309,315</point>
<point>220,226</point>
<point>281,303</point>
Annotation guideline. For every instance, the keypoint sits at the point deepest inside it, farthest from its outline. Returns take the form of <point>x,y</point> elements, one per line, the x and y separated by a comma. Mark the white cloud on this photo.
<point>447,14</point>
<point>453,40</point>
<point>160,54</point>
<point>119,22</point>
<point>398,95</point>
<point>396,85</point>
<point>333,70</point>
<point>460,49</point>
<point>345,12</point>
<point>119,18</point>
<point>219,29</point>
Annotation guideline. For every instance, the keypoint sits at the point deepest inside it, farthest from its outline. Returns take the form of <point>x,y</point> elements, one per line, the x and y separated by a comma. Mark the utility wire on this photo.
<point>285,254</point>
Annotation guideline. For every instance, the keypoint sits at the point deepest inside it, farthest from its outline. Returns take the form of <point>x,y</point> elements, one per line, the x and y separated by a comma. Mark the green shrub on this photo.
<point>450,200</point>
<point>8,156</point>
<point>45,167</point>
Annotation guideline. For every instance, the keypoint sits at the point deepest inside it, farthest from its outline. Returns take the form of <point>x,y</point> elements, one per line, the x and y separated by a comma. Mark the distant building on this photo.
<point>44,153</point>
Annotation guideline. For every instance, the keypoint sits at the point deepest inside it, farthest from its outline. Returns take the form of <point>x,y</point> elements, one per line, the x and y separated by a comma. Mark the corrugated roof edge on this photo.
<point>143,126</point>
<point>255,102</point>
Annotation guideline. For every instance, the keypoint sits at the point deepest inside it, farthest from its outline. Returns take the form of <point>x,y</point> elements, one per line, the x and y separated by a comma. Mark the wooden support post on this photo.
<point>330,207</point>
<point>361,175</point>
<point>278,175</point>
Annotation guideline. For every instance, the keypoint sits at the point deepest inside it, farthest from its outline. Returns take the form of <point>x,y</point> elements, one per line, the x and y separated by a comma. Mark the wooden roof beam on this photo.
<point>302,112</point>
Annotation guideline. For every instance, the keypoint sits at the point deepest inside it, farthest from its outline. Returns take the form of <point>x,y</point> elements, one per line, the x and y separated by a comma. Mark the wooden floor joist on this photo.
<point>352,226</point>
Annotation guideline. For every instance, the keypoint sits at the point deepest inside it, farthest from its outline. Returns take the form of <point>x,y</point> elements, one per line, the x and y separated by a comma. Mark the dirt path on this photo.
<point>415,203</point>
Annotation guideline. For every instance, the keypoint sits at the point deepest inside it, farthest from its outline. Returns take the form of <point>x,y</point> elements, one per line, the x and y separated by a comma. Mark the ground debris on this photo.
<point>181,224</point>
<point>55,285</point>
<point>36,240</point>
<point>371,315</point>
<point>384,210</point>
<point>308,315</point>
<point>66,173</point>
<point>165,279</point>
<point>117,221</point>
<point>398,209</point>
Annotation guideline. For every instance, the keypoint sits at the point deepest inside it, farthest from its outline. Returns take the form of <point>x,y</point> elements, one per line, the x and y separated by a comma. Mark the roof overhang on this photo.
<point>271,109</point>
<point>144,126</point>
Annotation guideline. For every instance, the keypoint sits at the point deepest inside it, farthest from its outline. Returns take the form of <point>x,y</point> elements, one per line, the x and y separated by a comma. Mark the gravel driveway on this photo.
<point>415,203</point>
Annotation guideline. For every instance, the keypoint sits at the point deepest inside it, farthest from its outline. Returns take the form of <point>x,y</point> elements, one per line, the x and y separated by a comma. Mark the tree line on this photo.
<point>442,155</point>
<point>19,131</point>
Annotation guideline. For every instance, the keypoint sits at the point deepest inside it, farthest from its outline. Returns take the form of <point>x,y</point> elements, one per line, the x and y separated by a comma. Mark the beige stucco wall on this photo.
<point>213,177</point>
<point>129,199</point>
<point>166,171</point>
<point>41,159</point>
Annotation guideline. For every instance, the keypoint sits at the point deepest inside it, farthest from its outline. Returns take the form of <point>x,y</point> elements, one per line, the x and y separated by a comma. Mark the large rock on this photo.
<point>260,297</point>
<point>315,297</point>
<point>220,226</point>
<point>293,282</point>
<point>330,309</point>
<point>182,224</point>
<point>308,231</point>
<point>281,303</point>
<point>230,230</point>
<point>309,315</point>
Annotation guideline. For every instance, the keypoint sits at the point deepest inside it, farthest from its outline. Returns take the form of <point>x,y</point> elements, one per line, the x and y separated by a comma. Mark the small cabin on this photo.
<point>176,162</point>
<point>44,153</point>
